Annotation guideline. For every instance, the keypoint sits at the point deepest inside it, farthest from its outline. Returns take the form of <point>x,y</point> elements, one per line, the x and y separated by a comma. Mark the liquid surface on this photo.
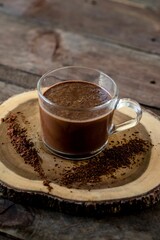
<point>77,94</point>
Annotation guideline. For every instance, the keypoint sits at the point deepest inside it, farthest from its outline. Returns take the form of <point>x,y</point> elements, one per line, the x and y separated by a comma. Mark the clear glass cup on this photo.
<point>76,111</point>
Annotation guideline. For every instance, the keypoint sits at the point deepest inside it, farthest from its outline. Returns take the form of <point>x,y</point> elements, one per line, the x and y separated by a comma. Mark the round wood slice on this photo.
<point>131,186</point>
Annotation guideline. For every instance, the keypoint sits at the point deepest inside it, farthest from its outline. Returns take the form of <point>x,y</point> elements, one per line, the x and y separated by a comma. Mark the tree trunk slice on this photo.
<point>131,187</point>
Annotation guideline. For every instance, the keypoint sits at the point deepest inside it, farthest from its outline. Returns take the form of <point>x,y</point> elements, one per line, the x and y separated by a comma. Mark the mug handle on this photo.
<point>127,102</point>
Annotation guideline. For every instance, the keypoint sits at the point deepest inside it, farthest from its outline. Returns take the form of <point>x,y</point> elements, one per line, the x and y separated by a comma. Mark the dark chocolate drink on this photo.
<point>77,121</point>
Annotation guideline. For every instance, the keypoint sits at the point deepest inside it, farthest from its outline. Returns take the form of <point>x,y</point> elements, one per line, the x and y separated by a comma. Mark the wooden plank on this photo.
<point>32,223</point>
<point>22,5</point>
<point>6,236</point>
<point>133,24</point>
<point>8,90</point>
<point>141,3</point>
<point>18,77</point>
<point>35,48</point>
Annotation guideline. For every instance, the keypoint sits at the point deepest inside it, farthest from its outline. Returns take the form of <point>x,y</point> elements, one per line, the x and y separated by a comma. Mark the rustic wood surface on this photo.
<point>120,37</point>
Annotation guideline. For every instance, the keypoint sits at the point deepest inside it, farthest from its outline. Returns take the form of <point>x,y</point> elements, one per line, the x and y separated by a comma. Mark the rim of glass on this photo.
<point>98,107</point>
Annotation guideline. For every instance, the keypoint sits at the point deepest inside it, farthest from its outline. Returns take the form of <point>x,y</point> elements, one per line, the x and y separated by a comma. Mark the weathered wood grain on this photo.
<point>10,217</point>
<point>47,224</point>
<point>133,24</point>
<point>6,236</point>
<point>35,48</point>
<point>22,5</point>
<point>141,3</point>
<point>8,90</point>
<point>18,77</point>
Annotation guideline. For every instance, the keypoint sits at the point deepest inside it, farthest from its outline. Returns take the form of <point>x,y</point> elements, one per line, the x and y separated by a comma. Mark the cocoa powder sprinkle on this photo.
<point>121,156</point>
<point>25,147</point>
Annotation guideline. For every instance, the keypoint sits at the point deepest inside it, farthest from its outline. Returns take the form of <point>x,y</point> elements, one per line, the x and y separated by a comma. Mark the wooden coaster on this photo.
<point>132,183</point>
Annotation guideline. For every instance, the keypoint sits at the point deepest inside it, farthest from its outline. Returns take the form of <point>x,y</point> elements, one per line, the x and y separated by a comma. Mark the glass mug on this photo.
<point>76,110</point>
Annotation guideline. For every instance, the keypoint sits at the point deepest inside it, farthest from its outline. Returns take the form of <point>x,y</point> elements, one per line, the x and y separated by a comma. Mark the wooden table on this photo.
<point>120,37</point>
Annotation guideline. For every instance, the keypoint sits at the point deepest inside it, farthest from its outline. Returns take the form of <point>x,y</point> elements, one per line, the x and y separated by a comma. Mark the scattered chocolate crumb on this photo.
<point>25,147</point>
<point>124,139</point>
<point>23,118</point>
<point>122,174</point>
<point>46,183</point>
<point>121,156</point>
<point>2,119</point>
